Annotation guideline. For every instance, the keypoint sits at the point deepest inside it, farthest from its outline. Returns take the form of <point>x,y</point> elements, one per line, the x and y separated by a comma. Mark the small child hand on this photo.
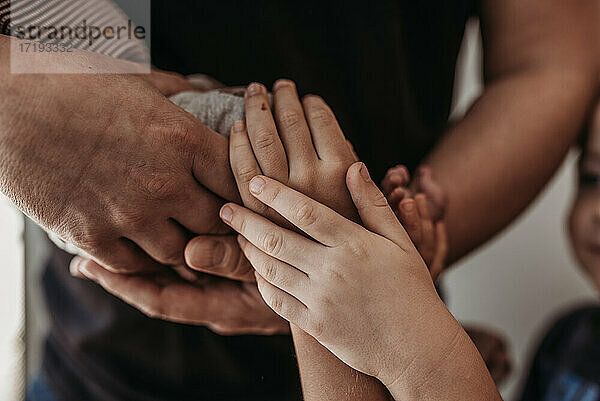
<point>421,214</point>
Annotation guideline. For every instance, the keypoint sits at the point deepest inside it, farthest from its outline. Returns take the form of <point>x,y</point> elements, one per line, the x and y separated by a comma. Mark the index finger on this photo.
<point>315,219</point>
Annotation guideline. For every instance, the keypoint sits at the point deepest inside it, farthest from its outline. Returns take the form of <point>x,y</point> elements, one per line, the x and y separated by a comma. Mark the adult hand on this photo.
<point>318,169</point>
<point>227,307</point>
<point>168,83</point>
<point>109,164</point>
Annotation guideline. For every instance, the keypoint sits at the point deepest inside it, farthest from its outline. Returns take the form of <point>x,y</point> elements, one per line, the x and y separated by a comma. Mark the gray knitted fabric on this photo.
<point>217,109</point>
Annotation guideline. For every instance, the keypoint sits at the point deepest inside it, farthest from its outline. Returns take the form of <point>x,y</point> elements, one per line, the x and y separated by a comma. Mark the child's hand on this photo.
<point>421,214</point>
<point>350,283</point>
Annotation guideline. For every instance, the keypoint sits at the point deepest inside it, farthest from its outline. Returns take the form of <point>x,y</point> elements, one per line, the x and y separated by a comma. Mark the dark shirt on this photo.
<point>387,70</point>
<point>566,367</point>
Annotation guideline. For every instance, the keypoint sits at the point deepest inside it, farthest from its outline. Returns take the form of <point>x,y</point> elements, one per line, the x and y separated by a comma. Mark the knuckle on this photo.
<point>134,219</point>
<point>276,302</point>
<point>321,116</point>
<point>275,192</point>
<point>289,120</point>
<point>87,236</point>
<point>174,128</point>
<point>306,214</point>
<point>265,139</point>
<point>161,186</point>
<point>181,129</point>
<point>245,173</point>
<point>355,249</point>
<point>379,200</point>
<point>272,243</point>
<point>305,178</point>
<point>270,271</point>
<point>243,225</point>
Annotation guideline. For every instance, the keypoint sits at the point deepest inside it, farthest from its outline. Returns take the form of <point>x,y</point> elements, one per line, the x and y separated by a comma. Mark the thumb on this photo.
<point>219,255</point>
<point>373,208</point>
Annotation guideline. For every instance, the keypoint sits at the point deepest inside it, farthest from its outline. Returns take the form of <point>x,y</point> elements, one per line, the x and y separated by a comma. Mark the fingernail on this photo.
<point>226,213</point>
<point>241,240</point>
<point>207,254</point>
<point>256,185</point>
<point>364,173</point>
<point>238,126</point>
<point>254,89</point>
<point>282,83</point>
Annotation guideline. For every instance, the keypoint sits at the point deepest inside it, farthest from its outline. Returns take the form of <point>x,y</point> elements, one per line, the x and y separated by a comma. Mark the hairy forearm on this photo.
<point>498,158</point>
<point>324,377</point>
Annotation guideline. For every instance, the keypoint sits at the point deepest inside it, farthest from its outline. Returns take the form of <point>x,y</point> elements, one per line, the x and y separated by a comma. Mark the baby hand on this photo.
<point>421,214</point>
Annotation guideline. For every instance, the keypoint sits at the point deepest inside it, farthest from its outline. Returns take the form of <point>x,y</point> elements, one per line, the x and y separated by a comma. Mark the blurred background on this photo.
<point>517,284</point>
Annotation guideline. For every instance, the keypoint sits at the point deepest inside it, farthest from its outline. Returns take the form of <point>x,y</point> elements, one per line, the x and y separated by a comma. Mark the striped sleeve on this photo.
<point>53,18</point>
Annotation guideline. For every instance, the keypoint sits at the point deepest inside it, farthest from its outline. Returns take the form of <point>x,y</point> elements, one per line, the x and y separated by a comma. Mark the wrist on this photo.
<point>448,368</point>
<point>426,356</point>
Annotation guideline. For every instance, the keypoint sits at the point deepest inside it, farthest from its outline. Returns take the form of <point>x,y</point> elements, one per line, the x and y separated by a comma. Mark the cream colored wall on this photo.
<point>520,281</point>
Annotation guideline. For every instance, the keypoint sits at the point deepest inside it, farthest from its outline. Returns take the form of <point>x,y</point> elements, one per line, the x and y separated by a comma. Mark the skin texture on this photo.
<point>346,283</point>
<point>429,237</point>
<point>119,172</point>
<point>584,220</point>
<point>128,177</point>
<point>303,146</point>
<point>540,77</point>
<point>421,215</point>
